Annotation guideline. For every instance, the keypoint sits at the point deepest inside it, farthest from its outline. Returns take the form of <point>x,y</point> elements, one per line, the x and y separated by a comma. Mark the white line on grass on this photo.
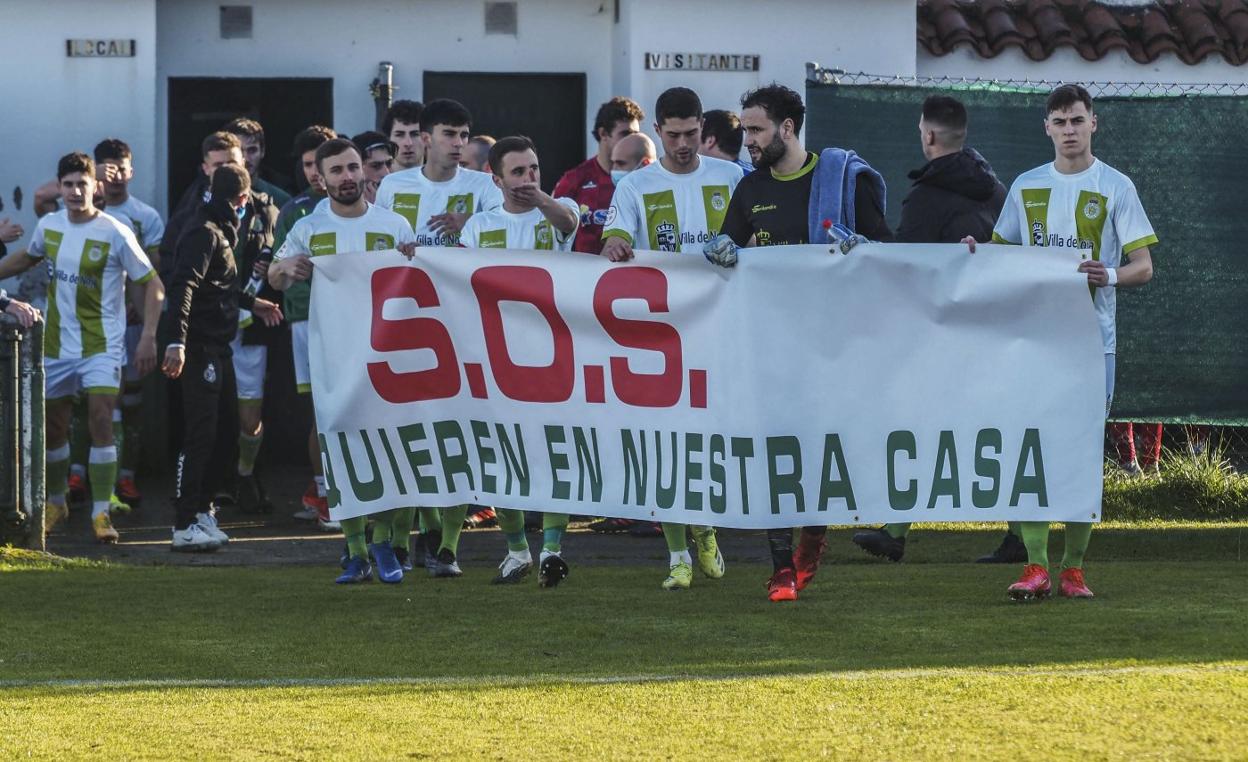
<point>552,679</point>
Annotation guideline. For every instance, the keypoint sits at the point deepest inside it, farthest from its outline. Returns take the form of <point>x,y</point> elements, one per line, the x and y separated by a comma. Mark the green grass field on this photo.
<point>925,659</point>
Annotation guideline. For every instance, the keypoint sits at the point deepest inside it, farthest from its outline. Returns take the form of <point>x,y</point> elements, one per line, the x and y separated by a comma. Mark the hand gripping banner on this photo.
<point>898,383</point>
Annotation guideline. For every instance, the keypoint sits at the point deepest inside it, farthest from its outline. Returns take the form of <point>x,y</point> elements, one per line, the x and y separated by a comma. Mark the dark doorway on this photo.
<point>201,105</point>
<point>508,104</point>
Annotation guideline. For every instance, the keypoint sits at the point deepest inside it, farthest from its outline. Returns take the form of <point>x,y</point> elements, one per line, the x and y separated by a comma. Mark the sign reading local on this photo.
<point>701,62</point>
<point>99,48</point>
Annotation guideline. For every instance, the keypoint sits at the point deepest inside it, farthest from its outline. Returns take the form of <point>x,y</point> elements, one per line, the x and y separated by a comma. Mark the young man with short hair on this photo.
<point>115,169</point>
<point>477,153</point>
<point>722,136</point>
<point>378,155</point>
<point>676,204</point>
<point>251,134</point>
<point>91,255</point>
<point>349,225</point>
<point>955,194</point>
<point>1077,201</point>
<point>589,183</point>
<point>204,303</point>
<point>771,207</point>
<point>528,219</point>
<point>402,127</point>
<point>437,199</point>
<point>315,503</point>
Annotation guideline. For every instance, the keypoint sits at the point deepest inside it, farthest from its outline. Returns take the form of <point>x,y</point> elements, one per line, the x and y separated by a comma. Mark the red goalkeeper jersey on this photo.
<point>590,186</point>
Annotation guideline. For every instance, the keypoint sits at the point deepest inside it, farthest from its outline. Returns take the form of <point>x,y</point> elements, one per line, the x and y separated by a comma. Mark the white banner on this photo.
<point>897,383</point>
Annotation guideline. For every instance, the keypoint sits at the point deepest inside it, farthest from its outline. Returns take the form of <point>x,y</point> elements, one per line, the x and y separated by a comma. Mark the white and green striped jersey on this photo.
<point>417,198</point>
<point>501,229</point>
<point>145,221</point>
<point>659,210</point>
<point>88,264</point>
<point>1096,212</point>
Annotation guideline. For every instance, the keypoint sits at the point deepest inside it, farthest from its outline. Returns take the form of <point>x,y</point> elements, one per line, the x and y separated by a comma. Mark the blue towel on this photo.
<point>833,189</point>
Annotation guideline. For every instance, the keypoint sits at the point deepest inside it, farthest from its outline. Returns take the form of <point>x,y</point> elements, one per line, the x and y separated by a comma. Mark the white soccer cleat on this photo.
<point>208,523</point>
<point>193,539</point>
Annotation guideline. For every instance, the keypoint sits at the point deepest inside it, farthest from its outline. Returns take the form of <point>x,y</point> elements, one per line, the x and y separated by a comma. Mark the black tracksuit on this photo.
<point>204,299</point>
<point>953,196</point>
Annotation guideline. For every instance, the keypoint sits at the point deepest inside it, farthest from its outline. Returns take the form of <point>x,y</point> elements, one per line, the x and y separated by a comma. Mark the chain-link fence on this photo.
<point>1183,339</point>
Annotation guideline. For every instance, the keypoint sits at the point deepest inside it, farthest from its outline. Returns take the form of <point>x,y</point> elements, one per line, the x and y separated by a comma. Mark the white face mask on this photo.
<point>617,175</point>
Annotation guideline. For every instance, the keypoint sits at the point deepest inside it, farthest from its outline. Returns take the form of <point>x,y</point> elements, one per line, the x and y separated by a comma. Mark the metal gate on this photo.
<point>22,485</point>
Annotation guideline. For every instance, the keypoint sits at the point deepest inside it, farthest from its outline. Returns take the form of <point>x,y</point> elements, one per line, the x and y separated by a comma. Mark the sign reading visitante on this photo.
<point>701,62</point>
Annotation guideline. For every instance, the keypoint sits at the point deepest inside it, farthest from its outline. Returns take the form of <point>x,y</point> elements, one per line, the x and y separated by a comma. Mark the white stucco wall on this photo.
<point>1068,66</point>
<point>53,104</point>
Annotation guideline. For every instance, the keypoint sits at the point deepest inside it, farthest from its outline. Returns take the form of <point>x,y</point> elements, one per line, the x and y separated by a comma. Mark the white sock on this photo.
<point>125,473</point>
<point>520,555</point>
<point>681,556</point>
<point>78,469</point>
<point>99,507</point>
<point>320,486</point>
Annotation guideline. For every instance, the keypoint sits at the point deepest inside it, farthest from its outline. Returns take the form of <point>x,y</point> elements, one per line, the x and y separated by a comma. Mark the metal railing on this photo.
<point>22,479</point>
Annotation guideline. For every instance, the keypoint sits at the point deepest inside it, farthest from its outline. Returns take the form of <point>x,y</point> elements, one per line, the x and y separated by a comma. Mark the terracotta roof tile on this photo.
<point>1192,30</point>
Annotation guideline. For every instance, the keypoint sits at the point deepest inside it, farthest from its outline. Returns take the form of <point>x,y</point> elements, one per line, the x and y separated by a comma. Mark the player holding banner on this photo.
<point>350,224</point>
<point>676,204</point>
<point>528,219</point>
<point>1077,201</point>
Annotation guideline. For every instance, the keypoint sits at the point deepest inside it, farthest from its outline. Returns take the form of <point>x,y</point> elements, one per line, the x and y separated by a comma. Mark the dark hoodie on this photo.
<point>204,296</point>
<point>953,196</point>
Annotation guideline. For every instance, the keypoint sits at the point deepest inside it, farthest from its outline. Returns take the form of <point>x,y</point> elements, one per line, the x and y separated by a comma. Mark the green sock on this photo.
<point>401,527</point>
<point>452,525</point>
<point>383,526</point>
<point>353,530</point>
<point>1035,536</point>
<point>511,523</point>
<point>79,432</point>
<point>898,531</point>
<point>1016,528</point>
<point>677,539</point>
<point>553,527</point>
<point>102,472</point>
<point>57,473</point>
<point>1078,535</point>
<point>430,519</point>
<point>248,449</point>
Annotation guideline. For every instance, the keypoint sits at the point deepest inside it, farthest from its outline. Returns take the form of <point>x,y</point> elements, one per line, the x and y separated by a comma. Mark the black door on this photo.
<point>549,108</point>
<point>199,106</point>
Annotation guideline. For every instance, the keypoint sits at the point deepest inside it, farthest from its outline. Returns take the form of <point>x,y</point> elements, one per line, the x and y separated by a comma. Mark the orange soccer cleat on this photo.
<point>1072,584</point>
<point>1033,585</point>
<point>782,586</point>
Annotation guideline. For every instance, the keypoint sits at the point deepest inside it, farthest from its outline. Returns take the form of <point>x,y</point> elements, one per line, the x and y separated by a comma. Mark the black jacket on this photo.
<point>953,196</point>
<point>204,294</point>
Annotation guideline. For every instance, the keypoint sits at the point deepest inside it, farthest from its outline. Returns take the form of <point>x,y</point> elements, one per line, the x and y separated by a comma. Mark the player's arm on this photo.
<point>624,220</point>
<point>46,196</point>
<point>1132,226</point>
<point>1137,271</point>
<point>25,314</point>
<point>558,212</point>
<point>17,262</point>
<point>291,263</point>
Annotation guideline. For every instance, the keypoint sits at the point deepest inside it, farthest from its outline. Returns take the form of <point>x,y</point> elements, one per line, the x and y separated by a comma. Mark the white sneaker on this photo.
<point>328,525</point>
<point>305,514</point>
<point>208,523</point>
<point>514,568</point>
<point>194,539</point>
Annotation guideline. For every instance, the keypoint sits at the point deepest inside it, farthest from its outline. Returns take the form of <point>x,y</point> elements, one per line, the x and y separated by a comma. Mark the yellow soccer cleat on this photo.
<point>710,560</point>
<point>103,527</point>
<point>53,514</point>
<point>679,577</point>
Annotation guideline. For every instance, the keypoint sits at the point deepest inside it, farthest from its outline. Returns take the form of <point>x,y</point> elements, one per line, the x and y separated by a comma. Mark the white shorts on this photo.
<point>97,374</point>
<point>250,363</point>
<point>299,350</point>
<point>130,372</point>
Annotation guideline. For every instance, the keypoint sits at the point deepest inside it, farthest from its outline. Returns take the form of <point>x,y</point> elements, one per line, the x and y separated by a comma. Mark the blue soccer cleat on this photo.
<point>389,570</point>
<point>357,571</point>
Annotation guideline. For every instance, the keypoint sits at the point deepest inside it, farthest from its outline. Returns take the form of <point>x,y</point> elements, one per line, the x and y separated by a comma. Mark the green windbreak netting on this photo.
<point>1183,338</point>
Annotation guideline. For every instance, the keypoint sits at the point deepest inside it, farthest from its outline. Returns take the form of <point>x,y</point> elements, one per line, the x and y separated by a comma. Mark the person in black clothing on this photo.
<point>956,193</point>
<point>204,313</point>
<point>771,206</point>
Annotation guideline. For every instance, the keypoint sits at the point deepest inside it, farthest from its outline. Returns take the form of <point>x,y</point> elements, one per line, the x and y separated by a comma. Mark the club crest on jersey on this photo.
<point>1037,233</point>
<point>96,253</point>
<point>610,217</point>
<point>665,236</point>
<point>1092,209</point>
<point>543,235</point>
<point>210,373</point>
<point>717,201</point>
<point>460,205</point>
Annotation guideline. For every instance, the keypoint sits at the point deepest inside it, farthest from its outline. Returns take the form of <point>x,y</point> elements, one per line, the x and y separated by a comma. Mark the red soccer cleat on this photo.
<point>806,557</point>
<point>77,490</point>
<point>782,586</point>
<point>128,491</point>
<point>1072,585</point>
<point>1033,585</point>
